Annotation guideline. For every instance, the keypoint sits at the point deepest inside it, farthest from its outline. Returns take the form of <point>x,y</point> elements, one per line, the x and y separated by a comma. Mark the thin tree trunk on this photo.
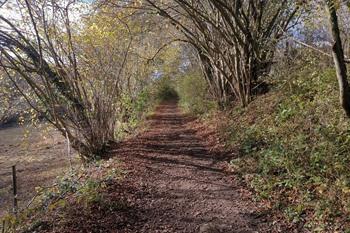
<point>339,59</point>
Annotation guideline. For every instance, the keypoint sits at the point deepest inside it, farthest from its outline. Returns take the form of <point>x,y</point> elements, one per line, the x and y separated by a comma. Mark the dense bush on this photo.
<point>294,145</point>
<point>193,93</point>
<point>134,109</point>
<point>165,90</point>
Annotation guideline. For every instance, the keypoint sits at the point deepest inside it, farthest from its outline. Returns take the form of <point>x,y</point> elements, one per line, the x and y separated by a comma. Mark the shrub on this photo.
<point>134,109</point>
<point>165,89</point>
<point>295,143</point>
<point>193,93</point>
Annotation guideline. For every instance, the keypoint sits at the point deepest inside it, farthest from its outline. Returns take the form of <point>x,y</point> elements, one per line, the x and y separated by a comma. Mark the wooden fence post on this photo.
<point>14,185</point>
<point>3,226</point>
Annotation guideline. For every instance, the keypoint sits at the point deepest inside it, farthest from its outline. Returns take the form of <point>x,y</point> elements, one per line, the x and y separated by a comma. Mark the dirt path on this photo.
<point>184,186</point>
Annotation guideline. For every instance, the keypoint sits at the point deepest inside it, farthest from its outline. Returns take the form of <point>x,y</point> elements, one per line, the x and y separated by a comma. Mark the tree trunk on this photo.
<point>338,57</point>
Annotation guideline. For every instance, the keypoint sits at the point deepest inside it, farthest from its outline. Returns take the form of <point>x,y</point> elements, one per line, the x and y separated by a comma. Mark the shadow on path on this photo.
<point>188,191</point>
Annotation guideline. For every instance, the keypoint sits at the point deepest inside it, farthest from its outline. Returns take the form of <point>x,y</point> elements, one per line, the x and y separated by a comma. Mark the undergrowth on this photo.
<point>193,94</point>
<point>164,90</point>
<point>80,189</point>
<point>294,145</point>
<point>134,110</point>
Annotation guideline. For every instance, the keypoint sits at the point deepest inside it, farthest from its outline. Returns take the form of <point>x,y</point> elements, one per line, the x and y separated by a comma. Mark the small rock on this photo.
<point>209,228</point>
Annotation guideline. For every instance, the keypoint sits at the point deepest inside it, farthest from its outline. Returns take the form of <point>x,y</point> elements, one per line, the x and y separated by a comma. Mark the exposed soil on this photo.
<point>175,183</point>
<point>190,190</point>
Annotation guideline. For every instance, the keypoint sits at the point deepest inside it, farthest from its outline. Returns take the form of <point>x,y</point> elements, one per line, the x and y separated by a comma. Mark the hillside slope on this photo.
<point>294,145</point>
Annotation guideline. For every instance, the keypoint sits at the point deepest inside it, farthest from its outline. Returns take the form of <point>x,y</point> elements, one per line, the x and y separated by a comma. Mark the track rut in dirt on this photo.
<point>185,188</point>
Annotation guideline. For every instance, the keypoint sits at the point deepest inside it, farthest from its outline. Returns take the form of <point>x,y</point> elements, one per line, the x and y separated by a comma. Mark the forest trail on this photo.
<point>184,186</point>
